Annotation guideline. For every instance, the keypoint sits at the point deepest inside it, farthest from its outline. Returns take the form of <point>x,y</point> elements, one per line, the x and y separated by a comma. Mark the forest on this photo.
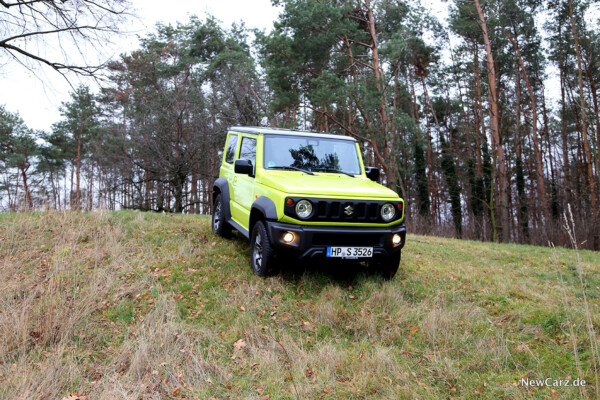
<point>485,121</point>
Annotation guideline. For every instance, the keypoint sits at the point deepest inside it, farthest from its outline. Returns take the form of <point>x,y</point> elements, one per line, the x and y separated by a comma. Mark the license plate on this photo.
<point>349,252</point>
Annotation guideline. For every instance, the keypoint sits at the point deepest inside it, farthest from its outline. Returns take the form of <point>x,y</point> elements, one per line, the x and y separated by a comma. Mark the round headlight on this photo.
<point>304,209</point>
<point>388,212</point>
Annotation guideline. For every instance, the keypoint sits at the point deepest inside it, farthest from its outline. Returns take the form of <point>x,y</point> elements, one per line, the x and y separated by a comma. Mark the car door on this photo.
<point>244,196</point>
<point>227,166</point>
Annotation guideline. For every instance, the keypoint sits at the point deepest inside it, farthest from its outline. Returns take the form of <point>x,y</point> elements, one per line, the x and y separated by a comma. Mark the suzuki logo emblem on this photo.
<point>349,210</point>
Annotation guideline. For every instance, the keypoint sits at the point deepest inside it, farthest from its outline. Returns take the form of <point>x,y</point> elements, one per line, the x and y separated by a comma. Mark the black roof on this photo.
<point>280,131</point>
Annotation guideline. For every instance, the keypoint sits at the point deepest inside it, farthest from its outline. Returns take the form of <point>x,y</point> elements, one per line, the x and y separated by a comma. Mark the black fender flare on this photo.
<point>222,186</point>
<point>266,206</point>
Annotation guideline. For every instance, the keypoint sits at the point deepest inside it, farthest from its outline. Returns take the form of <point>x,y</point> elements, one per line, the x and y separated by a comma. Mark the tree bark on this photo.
<point>584,133</point>
<point>78,169</point>
<point>539,168</point>
<point>26,188</point>
<point>594,93</point>
<point>563,133</point>
<point>477,114</point>
<point>522,215</point>
<point>494,114</point>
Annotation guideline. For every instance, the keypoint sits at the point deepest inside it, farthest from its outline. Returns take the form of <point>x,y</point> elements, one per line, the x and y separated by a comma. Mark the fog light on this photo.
<point>396,239</point>
<point>288,237</point>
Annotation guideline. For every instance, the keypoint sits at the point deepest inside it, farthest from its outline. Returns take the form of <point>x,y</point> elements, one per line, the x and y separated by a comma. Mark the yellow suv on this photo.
<point>306,195</point>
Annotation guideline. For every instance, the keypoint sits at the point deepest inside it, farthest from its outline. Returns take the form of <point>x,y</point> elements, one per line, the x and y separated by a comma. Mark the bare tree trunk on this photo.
<point>78,169</point>
<point>522,215</point>
<point>494,114</point>
<point>26,188</point>
<point>594,93</point>
<point>563,116</point>
<point>7,186</point>
<point>586,144</point>
<point>71,187</point>
<point>477,112</point>
<point>91,186</point>
<point>16,196</point>
<point>435,194</point>
<point>536,146</point>
<point>53,189</point>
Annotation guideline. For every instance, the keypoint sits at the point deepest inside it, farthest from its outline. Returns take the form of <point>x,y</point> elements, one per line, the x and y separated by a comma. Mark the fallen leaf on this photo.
<point>240,344</point>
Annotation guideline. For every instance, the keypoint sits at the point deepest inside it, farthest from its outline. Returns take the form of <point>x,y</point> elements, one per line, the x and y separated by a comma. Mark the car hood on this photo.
<point>325,185</point>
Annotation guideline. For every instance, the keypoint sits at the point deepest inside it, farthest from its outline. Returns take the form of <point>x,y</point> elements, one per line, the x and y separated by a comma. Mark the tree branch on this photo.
<point>67,29</point>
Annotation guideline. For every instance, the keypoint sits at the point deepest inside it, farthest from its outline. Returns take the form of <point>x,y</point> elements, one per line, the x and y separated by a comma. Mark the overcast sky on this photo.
<point>37,95</point>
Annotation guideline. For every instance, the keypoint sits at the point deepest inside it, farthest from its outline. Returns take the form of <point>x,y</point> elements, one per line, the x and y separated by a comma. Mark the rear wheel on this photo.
<point>219,224</point>
<point>262,253</point>
<point>387,266</point>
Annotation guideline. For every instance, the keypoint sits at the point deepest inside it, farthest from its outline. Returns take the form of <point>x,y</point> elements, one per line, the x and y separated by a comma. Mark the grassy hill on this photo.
<point>132,305</point>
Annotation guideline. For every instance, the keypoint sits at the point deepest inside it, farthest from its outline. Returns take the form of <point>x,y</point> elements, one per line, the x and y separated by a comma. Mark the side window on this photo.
<point>231,145</point>
<point>248,150</point>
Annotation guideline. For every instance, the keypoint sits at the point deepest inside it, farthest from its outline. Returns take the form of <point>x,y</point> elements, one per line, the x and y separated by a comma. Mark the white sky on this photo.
<point>37,95</point>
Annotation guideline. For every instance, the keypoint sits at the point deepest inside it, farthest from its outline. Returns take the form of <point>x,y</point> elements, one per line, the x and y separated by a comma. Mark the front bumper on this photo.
<point>312,241</point>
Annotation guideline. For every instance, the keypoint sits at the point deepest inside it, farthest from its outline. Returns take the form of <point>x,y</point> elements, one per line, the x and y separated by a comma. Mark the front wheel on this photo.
<point>387,266</point>
<point>262,253</point>
<point>220,226</point>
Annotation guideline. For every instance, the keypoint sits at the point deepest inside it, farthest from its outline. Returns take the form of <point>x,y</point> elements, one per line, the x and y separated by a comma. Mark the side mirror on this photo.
<point>243,167</point>
<point>372,173</point>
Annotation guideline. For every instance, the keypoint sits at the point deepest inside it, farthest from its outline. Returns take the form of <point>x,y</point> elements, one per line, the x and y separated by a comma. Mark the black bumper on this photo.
<point>312,241</point>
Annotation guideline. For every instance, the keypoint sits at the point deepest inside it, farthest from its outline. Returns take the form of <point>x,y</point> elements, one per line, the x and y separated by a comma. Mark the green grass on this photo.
<point>134,305</point>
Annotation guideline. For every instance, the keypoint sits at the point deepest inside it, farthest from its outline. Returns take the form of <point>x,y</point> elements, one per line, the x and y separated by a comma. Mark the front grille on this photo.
<point>351,239</point>
<point>333,210</point>
<point>327,210</point>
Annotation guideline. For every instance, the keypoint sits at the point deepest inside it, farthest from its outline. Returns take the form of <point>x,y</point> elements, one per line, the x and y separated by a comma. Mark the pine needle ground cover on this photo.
<point>140,305</point>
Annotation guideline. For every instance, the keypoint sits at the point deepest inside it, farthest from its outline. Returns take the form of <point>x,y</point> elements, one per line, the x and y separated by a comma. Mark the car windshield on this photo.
<point>311,154</point>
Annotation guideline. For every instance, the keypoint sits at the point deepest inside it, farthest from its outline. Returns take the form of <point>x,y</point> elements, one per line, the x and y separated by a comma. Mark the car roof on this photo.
<point>280,131</point>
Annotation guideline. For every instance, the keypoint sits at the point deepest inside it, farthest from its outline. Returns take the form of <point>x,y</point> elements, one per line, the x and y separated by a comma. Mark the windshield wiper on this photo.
<point>339,171</point>
<point>290,167</point>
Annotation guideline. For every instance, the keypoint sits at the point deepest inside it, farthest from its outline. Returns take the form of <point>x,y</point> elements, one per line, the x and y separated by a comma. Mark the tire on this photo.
<point>387,266</point>
<point>219,225</point>
<point>262,254</point>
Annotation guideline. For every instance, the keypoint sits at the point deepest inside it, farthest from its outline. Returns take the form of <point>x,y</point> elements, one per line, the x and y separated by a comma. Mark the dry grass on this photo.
<point>145,306</point>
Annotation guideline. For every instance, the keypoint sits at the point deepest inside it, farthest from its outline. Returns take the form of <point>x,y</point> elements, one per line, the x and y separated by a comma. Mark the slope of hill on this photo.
<point>132,305</point>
